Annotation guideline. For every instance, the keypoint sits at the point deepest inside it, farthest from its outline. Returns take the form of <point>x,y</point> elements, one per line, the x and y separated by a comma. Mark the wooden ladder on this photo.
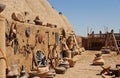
<point>115,43</point>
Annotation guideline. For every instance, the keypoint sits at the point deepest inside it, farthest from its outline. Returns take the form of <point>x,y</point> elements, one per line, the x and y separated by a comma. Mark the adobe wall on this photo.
<point>22,57</point>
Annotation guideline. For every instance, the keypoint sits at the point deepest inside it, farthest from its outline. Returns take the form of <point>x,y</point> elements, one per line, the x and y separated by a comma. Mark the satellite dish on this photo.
<point>2,7</point>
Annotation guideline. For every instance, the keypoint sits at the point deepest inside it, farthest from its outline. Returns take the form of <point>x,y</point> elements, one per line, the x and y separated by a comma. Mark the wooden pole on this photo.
<point>115,43</point>
<point>2,46</point>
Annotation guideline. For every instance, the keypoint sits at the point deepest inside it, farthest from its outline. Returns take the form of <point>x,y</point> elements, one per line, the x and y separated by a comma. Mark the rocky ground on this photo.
<point>84,69</point>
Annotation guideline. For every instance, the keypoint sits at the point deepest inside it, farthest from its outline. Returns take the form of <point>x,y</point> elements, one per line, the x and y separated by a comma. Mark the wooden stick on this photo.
<point>2,46</point>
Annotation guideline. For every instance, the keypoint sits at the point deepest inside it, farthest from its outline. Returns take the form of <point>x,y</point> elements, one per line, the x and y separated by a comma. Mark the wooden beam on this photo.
<point>115,42</point>
<point>2,46</point>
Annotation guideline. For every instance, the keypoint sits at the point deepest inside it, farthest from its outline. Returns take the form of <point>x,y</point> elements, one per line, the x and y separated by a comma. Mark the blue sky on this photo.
<point>90,15</point>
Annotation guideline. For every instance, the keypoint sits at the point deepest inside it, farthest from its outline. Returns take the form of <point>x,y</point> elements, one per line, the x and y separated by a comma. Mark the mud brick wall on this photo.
<point>26,59</point>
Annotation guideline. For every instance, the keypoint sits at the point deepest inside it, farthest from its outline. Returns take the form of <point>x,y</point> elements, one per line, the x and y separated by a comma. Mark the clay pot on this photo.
<point>2,7</point>
<point>60,70</point>
<point>98,61</point>
<point>64,64</point>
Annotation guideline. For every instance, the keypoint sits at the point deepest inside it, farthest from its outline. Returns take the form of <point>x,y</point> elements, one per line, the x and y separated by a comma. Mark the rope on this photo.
<point>4,58</point>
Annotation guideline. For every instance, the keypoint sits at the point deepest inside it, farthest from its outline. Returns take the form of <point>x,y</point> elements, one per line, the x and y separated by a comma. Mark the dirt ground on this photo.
<point>84,69</point>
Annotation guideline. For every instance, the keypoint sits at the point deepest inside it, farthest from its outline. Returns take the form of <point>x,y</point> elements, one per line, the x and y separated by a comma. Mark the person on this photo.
<point>53,56</point>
